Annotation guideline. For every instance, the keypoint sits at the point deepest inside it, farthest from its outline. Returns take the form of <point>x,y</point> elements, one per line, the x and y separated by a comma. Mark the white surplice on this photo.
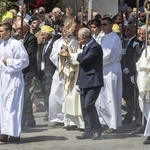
<point>12,86</point>
<point>109,101</point>
<point>143,82</point>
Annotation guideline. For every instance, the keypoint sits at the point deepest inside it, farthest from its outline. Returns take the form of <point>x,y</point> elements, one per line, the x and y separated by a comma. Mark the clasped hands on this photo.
<point>5,61</point>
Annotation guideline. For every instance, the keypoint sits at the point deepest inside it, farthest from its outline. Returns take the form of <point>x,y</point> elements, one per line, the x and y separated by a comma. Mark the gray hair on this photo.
<point>85,32</point>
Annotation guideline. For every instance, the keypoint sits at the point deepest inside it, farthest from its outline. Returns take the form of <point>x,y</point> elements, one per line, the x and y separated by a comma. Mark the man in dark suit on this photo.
<point>90,82</point>
<point>130,91</point>
<point>47,67</point>
<point>30,43</point>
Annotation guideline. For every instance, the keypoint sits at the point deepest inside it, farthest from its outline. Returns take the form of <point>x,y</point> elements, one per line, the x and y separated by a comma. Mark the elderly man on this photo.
<point>90,83</point>
<point>13,58</point>
<point>30,43</point>
<point>47,67</point>
<point>55,21</point>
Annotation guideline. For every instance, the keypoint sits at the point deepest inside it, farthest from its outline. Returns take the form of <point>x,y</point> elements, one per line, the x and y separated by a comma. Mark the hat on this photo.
<point>47,29</point>
<point>33,18</point>
<point>7,15</point>
<point>13,11</point>
<point>41,9</point>
<point>115,28</point>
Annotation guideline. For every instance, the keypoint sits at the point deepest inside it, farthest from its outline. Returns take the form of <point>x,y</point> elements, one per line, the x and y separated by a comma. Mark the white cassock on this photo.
<point>109,101</point>
<point>143,82</point>
<point>57,88</point>
<point>99,37</point>
<point>12,86</point>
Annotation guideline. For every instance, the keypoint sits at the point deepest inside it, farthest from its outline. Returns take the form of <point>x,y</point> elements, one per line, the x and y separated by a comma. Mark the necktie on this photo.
<point>84,48</point>
<point>43,56</point>
<point>126,43</point>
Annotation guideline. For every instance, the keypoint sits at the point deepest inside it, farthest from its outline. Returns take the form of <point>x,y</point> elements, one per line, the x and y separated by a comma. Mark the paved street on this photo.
<point>43,137</point>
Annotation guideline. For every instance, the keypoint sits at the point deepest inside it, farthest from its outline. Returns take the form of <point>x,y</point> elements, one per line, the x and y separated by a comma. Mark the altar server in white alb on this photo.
<point>109,100</point>
<point>13,58</point>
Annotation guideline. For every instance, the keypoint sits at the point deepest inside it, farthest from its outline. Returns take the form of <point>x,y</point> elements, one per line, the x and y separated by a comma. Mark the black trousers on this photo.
<point>128,95</point>
<point>90,116</point>
<point>46,83</point>
<point>27,115</point>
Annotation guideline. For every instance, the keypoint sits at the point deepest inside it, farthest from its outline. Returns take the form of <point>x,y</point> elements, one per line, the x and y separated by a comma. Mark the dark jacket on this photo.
<point>91,66</point>
<point>49,66</point>
<point>30,43</point>
<point>132,55</point>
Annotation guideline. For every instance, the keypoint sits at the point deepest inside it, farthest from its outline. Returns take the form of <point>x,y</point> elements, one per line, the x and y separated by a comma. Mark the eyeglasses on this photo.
<point>105,24</point>
<point>142,16</point>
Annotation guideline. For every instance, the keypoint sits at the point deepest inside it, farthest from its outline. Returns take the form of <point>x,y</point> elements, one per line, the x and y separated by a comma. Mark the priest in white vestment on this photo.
<point>109,101</point>
<point>143,82</point>
<point>13,58</point>
<point>64,102</point>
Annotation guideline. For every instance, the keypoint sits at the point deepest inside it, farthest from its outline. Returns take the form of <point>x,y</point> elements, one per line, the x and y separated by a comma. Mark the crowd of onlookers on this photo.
<point>52,42</point>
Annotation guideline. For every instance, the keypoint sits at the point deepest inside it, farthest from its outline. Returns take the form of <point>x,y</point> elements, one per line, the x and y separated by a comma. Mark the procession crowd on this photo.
<point>85,69</point>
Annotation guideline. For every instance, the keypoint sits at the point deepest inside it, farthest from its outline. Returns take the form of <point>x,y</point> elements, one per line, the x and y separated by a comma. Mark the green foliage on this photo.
<point>60,4</point>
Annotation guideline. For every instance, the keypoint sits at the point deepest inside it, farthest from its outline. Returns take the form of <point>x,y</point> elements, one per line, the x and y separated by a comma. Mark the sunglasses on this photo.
<point>105,24</point>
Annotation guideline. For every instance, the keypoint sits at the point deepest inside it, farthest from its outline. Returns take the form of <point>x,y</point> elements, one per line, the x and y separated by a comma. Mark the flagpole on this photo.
<point>137,11</point>
<point>90,9</point>
<point>82,11</point>
<point>22,19</point>
<point>75,9</point>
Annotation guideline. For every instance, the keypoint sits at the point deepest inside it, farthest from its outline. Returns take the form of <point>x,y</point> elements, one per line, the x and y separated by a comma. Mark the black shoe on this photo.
<point>127,120</point>
<point>30,124</point>
<point>110,130</point>
<point>85,136</point>
<point>13,139</point>
<point>139,130</point>
<point>147,141</point>
<point>96,136</point>
<point>3,138</point>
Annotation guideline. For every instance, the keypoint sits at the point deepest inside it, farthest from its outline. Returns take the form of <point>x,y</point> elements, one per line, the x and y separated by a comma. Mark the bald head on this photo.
<point>85,32</point>
<point>18,27</point>
<point>84,35</point>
